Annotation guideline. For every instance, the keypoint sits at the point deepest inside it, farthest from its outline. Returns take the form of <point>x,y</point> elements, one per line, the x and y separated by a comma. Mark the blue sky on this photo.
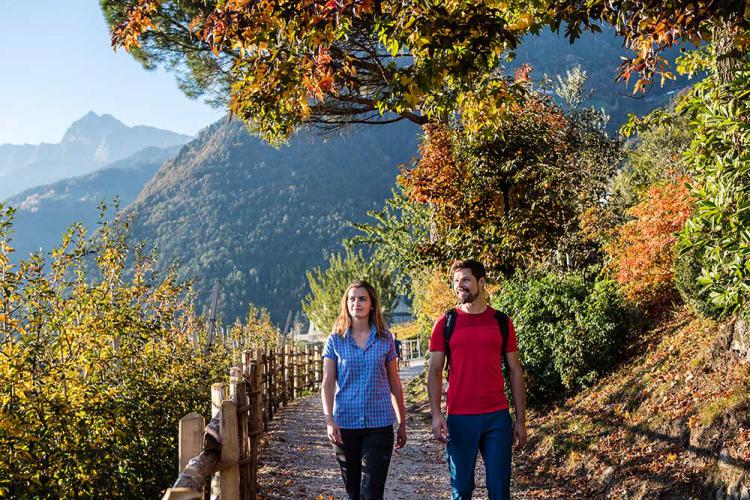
<point>56,64</point>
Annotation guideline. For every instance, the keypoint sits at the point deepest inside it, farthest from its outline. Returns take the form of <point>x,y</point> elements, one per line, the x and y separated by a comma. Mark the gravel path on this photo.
<point>298,462</point>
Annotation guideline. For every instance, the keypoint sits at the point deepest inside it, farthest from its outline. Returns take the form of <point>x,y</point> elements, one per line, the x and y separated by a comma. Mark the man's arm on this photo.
<point>435,392</point>
<point>518,390</point>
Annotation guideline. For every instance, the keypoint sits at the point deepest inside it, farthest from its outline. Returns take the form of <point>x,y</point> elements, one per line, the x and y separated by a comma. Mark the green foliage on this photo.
<point>570,328</point>
<point>654,156</point>
<point>323,304</point>
<point>718,234</point>
<point>96,369</point>
<point>687,271</point>
<point>397,230</point>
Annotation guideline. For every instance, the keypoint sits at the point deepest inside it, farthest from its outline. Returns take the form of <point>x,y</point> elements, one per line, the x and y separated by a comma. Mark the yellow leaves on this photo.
<point>497,4</point>
<point>522,22</point>
<point>137,21</point>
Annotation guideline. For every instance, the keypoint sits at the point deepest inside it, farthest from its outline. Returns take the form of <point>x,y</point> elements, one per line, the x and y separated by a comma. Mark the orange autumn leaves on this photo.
<point>643,251</point>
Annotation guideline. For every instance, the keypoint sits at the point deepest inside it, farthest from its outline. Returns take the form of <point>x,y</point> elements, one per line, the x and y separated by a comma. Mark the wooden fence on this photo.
<point>241,412</point>
<point>410,349</point>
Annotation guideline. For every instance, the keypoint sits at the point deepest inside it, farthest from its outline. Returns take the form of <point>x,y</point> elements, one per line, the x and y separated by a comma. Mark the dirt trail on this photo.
<point>298,461</point>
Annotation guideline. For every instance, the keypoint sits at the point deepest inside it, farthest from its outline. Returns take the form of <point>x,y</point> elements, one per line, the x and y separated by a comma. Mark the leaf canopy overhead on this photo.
<point>281,63</point>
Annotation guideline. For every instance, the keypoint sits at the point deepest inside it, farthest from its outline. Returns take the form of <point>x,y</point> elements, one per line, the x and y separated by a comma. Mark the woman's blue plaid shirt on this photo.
<point>363,399</point>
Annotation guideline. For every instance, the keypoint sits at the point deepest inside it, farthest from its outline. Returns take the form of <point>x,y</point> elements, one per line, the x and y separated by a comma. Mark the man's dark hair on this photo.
<point>476,267</point>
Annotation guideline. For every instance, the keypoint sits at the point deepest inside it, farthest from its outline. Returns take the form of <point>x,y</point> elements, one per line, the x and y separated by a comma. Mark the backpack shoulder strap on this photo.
<point>502,321</point>
<point>450,325</point>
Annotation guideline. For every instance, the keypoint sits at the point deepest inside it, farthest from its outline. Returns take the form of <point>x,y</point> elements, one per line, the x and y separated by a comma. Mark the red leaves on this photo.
<point>643,252</point>
<point>523,73</point>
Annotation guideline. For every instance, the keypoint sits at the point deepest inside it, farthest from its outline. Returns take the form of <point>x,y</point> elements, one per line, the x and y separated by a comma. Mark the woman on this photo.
<point>360,357</point>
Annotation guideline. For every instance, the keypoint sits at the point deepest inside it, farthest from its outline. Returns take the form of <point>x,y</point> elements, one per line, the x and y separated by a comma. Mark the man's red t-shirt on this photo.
<point>476,376</point>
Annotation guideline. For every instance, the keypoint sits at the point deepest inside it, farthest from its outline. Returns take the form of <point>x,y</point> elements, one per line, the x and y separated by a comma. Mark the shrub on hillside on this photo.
<point>96,370</point>
<point>643,250</point>
<point>570,328</point>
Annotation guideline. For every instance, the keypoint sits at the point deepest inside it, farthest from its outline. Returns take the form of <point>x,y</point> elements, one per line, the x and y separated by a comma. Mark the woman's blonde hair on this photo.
<point>344,321</point>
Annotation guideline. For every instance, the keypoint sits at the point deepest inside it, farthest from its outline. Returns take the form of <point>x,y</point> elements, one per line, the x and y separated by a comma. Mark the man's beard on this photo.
<point>468,297</point>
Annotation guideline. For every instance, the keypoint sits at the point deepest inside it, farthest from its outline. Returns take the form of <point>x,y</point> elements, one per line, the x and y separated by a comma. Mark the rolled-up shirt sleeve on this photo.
<point>329,351</point>
<point>391,355</point>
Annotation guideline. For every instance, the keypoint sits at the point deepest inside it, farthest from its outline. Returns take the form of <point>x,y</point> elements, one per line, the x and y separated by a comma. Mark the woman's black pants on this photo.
<point>364,457</point>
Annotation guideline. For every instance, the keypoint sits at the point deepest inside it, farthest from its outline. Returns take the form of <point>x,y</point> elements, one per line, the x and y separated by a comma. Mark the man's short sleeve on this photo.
<point>512,345</point>
<point>437,340</point>
<point>328,350</point>
<point>391,349</point>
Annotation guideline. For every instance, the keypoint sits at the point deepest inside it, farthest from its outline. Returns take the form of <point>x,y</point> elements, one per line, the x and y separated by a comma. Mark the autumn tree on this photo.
<point>279,63</point>
<point>512,200</point>
<point>643,251</point>
<point>97,366</point>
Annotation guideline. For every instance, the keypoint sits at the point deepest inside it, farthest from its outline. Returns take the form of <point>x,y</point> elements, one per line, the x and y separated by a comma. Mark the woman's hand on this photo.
<point>333,432</point>
<point>401,435</point>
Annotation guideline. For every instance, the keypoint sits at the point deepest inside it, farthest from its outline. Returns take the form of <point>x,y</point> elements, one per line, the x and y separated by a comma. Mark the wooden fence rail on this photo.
<point>227,448</point>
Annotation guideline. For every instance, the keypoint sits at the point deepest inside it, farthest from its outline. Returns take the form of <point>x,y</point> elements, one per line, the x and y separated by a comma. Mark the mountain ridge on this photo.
<point>88,144</point>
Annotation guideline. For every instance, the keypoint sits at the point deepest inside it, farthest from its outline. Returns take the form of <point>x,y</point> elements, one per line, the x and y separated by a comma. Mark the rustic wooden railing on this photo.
<point>227,448</point>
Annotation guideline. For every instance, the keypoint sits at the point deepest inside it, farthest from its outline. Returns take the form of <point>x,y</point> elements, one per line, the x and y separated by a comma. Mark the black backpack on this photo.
<point>450,324</point>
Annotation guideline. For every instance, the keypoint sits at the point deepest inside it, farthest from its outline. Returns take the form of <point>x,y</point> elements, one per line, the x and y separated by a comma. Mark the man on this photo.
<point>478,415</point>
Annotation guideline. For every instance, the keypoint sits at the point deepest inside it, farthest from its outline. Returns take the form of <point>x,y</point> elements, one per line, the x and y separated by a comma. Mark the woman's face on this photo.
<point>358,303</point>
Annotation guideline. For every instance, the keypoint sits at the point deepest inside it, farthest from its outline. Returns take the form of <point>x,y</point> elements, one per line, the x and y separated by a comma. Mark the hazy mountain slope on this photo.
<point>43,213</point>
<point>599,55</point>
<point>89,143</point>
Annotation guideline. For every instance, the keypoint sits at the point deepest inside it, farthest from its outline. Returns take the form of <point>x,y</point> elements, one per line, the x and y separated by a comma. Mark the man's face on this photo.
<point>466,286</point>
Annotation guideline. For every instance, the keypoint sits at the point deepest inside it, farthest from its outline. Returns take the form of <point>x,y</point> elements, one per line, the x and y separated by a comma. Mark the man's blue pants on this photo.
<point>492,435</point>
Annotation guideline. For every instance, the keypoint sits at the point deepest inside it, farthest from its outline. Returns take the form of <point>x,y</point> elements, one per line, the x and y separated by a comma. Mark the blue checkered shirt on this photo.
<point>363,399</point>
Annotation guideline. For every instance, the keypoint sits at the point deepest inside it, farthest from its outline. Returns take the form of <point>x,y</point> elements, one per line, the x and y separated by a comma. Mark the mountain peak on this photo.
<point>92,127</point>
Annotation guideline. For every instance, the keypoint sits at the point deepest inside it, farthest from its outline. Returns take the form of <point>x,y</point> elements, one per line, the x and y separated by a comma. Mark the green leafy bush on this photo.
<point>570,328</point>
<point>323,303</point>
<point>718,233</point>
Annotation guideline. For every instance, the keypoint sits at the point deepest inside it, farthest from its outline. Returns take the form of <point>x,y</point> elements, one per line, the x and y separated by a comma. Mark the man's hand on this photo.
<point>333,432</point>
<point>439,428</point>
<point>401,435</point>
<point>519,434</point>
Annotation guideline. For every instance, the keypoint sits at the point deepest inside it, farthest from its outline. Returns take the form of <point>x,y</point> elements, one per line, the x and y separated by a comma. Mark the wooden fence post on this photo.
<point>271,365</point>
<point>217,397</point>
<point>230,452</point>
<point>181,494</point>
<point>290,373</point>
<point>264,384</point>
<point>190,445</point>
<point>319,365</point>
<point>309,370</point>
<point>238,395</point>
<point>282,375</point>
<point>257,420</point>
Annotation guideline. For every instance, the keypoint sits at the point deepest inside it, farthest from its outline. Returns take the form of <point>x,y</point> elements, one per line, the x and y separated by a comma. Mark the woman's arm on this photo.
<point>397,399</point>
<point>327,391</point>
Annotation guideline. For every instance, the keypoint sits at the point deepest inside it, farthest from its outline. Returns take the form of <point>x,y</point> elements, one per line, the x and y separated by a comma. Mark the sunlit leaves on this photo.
<point>643,251</point>
<point>97,367</point>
